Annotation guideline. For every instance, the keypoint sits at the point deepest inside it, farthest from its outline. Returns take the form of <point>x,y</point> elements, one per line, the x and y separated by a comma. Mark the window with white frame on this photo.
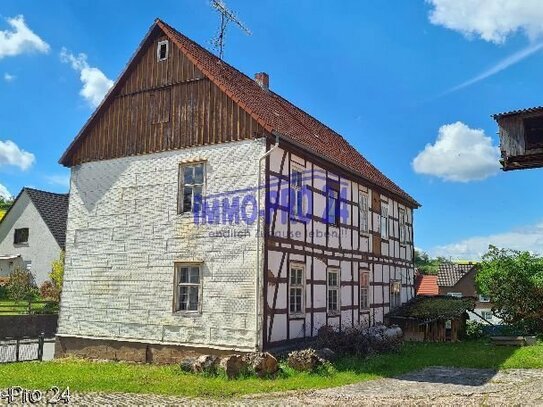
<point>188,287</point>
<point>332,206</point>
<point>488,315</point>
<point>395,294</point>
<point>364,211</point>
<point>455,294</point>
<point>191,187</point>
<point>484,298</point>
<point>384,220</point>
<point>297,196</point>
<point>403,226</point>
<point>364,290</point>
<point>296,289</point>
<point>333,291</point>
<point>162,50</point>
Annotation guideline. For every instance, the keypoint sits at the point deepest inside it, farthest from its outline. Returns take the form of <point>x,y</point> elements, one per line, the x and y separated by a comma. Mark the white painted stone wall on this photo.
<point>42,248</point>
<point>124,235</point>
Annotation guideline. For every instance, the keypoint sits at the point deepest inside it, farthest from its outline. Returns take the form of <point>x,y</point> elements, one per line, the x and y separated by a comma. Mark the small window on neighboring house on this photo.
<point>191,187</point>
<point>484,298</point>
<point>384,220</point>
<point>297,196</point>
<point>332,206</point>
<point>395,294</point>
<point>296,289</point>
<point>188,279</point>
<point>487,315</point>
<point>332,297</point>
<point>364,211</point>
<point>364,290</point>
<point>533,132</point>
<point>455,294</point>
<point>162,50</point>
<point>403,226</point>
<point>20,236</point>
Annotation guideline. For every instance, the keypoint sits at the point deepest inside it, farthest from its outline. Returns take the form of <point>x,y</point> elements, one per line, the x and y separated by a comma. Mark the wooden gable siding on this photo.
<point>159,106</point>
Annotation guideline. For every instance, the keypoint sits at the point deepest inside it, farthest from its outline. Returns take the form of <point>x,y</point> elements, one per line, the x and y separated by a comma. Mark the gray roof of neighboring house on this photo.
<point>518,111</point>
<point>449,273</point>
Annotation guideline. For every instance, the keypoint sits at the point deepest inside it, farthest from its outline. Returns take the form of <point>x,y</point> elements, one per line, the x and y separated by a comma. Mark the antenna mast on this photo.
<point>227,16</point>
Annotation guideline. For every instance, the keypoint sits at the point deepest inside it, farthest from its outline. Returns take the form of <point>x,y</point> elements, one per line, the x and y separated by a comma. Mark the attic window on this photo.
<point>162,50</point>
<point>533,132</point>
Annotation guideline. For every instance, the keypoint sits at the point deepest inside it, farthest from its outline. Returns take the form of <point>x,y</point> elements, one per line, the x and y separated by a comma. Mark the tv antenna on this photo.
<point>227,16</point>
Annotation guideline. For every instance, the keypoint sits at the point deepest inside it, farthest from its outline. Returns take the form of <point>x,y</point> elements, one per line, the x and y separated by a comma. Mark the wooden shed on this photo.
<point>433,319</point>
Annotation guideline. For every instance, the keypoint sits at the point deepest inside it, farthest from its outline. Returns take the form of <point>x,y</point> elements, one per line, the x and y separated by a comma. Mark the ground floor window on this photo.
<point>364,290</point>
<point>333,291</point>
<point>296,289</point>
<point>395,294</point>
<point>188,287</point>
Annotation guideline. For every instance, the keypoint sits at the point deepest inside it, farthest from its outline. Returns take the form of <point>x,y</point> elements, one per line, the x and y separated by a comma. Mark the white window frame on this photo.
<point>384,220</point>
<point>332,195</point>
<point>455,294</point>
<point>297,188</point>
<point>364,290</point>
<point>182,185</point>
<point>298,285</point>
<point>159,47</point>
<point>363,209</point>
<point>395,295</point>
<point>178,284</point>
<point>483,312</point>
<point>333,288</point>
<point>483,298</point>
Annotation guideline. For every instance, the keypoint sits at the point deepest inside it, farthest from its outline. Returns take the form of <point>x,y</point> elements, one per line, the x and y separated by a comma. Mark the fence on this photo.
<point>28,308</point>
<point>22,349</point>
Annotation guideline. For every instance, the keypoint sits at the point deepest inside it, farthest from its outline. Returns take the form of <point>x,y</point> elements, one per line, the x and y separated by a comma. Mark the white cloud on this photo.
<point>459,154</point>
<point>95,83</point>
<point>9,78</point>
<point>490,20</point>
<point>4,193</point>
<point>528,238</point>
<point>20,39</point>
<point>61,180</point>
<point>11,154</point>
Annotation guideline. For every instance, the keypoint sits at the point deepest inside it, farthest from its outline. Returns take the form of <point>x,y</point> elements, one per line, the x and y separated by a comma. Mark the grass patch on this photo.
<point>9,307</point>
<point>84,376</point>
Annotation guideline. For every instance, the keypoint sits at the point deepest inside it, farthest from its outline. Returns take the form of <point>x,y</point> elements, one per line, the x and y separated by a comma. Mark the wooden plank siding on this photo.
<point>160,106</point>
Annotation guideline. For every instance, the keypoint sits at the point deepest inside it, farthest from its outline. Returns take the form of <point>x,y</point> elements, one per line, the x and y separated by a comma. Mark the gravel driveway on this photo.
<point>431,386</point>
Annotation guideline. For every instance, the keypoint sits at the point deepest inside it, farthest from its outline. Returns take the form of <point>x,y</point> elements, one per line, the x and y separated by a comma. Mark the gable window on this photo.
<point>363,209</point>
<point>188,278</point>
<point>162,50</point>
<point>403,226</point>
<point>533,132</point>
<point>20,236</point>
<point>332,297</point>
<point>297,196</point>
<point>483,298</point>
<point>384,220</point>
<point>191,187</point>
<point>296,289</point>
<point>332,205</point>
<point>364,290</point>
<point>395,294</point>
<point>488,315</point>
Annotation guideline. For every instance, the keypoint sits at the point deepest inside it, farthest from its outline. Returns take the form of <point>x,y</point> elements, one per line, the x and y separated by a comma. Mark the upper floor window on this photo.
<point>296,289</point>
<point>191,187</point>
<point>395,294</point>
<point>403,225</point>
<point>297,196</point>
<point>384,220</point>
<point>162,50</point>
<point>483,298</point>
<point>533,132</point>
<point>333,291</point>
<point>332,205</point>
<point>20,236</point>
<point>364,211</point>
<point>188,278</point>
<point>364,290</point>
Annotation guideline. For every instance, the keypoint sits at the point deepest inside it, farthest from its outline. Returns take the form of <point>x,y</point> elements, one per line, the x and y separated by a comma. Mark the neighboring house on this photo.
<point>426,285</point>
<point>33,233</point>
<point>458,280</point>
<point>521,138</point>
<point>171,241</point>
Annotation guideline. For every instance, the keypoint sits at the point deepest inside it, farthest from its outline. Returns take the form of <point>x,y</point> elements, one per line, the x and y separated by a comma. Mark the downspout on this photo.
<point>258,265</point>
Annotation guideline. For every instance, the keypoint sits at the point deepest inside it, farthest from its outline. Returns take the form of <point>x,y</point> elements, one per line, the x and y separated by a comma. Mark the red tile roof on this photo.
<point>426,285</point>
<point>279,116</point>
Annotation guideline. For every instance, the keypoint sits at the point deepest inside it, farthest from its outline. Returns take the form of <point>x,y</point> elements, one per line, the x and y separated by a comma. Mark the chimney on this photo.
<point>263,80</point>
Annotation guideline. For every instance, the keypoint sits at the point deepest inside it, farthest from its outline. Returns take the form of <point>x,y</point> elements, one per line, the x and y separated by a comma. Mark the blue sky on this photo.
<point>386,75</point>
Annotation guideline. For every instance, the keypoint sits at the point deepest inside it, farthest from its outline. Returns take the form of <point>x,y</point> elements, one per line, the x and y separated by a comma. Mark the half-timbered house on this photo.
<point>206,211</point>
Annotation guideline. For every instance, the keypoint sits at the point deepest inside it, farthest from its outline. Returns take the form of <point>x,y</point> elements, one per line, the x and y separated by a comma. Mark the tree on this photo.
<point>514,282</point>
<point>51,290</point>
<point>426,265</point>
<point>21,286</point>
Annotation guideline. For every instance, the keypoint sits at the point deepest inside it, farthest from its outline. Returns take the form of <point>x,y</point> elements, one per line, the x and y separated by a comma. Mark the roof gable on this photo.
<point>449,274</point>
<point>275,114</point>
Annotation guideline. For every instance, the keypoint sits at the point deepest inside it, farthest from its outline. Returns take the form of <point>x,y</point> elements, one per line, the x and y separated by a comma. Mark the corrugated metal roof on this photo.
<point>519,111</point>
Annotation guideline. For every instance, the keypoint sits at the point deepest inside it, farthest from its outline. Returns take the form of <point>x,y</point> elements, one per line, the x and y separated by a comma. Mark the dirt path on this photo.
<point>431,386</point>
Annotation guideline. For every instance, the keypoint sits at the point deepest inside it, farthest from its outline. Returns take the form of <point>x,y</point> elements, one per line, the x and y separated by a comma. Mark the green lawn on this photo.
<point>9,307</point>
<point>82,376</point>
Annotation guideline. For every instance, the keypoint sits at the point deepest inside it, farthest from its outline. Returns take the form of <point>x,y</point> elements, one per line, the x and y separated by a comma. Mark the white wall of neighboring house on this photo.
<point>41,249</point>
<point>124,235</point>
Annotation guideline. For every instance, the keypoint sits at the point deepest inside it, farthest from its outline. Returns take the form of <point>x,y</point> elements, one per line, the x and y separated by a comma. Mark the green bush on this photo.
<point>3,293</point>
<point>474,330</point>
